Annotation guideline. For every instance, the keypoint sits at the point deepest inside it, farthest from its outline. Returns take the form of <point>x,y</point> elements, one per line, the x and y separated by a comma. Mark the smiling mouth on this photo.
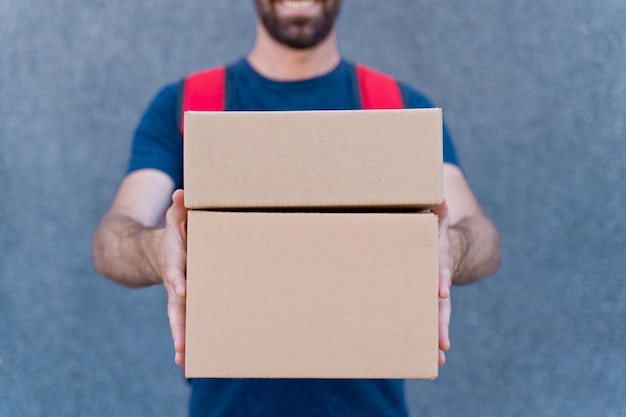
<point>297,4</point>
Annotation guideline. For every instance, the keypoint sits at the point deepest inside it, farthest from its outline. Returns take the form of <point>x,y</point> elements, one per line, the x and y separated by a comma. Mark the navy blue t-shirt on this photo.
<point>158,144</point>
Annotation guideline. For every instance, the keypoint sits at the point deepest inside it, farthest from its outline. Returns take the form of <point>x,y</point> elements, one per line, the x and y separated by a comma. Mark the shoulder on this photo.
<point>168,96</point>
<point>414,98</point>
<point>163,108</point>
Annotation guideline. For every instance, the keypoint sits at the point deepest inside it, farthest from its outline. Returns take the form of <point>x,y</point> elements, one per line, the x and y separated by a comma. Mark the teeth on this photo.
<point>298,4</point>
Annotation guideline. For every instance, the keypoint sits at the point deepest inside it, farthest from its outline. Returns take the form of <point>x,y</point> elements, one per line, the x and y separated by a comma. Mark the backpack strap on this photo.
<point>204,91</point>
<point>378,90</point>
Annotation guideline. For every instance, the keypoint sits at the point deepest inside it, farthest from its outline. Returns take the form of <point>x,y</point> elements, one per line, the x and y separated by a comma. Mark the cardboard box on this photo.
<point>313,159</point>
<point>312,295</point>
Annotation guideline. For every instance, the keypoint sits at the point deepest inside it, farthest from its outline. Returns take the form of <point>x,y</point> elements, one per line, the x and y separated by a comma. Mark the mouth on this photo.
<point>297,4</point>
<point>296,7</point>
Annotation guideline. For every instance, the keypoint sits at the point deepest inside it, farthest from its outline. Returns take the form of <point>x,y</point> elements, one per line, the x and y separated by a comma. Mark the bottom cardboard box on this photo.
<point>311,295</point>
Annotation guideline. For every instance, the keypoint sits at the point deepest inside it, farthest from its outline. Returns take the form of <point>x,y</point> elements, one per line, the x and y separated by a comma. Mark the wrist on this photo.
<point>459,246</point>
<point>153,251</point>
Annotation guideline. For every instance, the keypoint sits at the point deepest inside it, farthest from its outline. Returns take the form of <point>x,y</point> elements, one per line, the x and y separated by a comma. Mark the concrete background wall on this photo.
<point>534,92</point>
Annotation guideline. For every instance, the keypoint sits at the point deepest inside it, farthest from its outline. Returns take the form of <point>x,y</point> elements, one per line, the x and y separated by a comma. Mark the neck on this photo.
<point>281,63</point>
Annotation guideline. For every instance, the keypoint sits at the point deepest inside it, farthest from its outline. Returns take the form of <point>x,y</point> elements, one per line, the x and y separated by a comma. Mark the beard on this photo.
<point>298,32</point>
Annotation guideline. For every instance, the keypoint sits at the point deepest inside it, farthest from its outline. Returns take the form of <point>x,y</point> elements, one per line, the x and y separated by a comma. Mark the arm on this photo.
<point>130,249</point>
<point>469,245</point>
<point>474,240</point>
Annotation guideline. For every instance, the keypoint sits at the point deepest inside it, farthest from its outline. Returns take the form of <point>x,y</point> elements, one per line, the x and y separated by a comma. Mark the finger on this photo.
<point>442,358</point>
<point>176,315</point>
<point>180,358</point>
<point>445,262</point>
<point>445,309</point>
<point>175,277</point>
<point>445,281</point>
<point>445,269</point>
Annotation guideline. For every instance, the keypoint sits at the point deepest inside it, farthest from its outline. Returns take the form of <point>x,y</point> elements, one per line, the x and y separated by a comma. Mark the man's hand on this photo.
<point>173,266</point>
<point>131,248</point>
<point>445,281</point>
<point>469,246</point>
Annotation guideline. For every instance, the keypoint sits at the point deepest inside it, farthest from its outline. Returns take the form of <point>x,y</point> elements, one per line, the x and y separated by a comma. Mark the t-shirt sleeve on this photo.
<point>157,142</point>
<point>416,100</point>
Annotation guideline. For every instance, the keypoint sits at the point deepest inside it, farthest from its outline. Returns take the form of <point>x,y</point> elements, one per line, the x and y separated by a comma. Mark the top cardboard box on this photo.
<point>344,160</point>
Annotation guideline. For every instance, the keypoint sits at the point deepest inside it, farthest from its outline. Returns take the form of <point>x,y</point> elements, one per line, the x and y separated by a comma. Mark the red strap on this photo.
<point>204,91</point>
<point>378,90</point>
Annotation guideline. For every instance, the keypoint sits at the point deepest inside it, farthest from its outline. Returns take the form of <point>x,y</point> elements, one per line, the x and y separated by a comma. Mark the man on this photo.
<point>294,65</point>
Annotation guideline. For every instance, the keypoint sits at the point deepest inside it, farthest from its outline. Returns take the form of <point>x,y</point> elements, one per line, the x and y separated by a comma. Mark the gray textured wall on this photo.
<point>534,92</point>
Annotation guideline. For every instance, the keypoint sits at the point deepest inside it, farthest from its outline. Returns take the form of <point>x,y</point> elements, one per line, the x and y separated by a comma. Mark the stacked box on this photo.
<point>311,253</point>
<point>365,160</point>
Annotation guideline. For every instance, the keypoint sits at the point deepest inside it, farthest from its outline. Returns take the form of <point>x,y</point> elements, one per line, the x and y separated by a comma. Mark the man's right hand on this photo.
<point>131,248</point>
<point>173,263</point>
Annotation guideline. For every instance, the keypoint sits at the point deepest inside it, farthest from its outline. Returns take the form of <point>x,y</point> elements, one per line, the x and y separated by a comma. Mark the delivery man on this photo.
<point>294,65</point>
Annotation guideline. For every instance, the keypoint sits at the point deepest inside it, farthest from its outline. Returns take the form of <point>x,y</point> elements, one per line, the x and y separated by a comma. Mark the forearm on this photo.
<point>475,249</point>
<point>126,251</point>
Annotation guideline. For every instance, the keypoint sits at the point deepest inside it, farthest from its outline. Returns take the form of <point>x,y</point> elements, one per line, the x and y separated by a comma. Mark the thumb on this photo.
<point>177,213</point>
<point>178,199</point>
<point>441,211</point>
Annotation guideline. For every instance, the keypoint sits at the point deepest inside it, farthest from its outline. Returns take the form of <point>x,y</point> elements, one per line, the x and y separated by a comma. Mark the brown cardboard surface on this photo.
<point>312,295</point>
<point>332,159</point>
